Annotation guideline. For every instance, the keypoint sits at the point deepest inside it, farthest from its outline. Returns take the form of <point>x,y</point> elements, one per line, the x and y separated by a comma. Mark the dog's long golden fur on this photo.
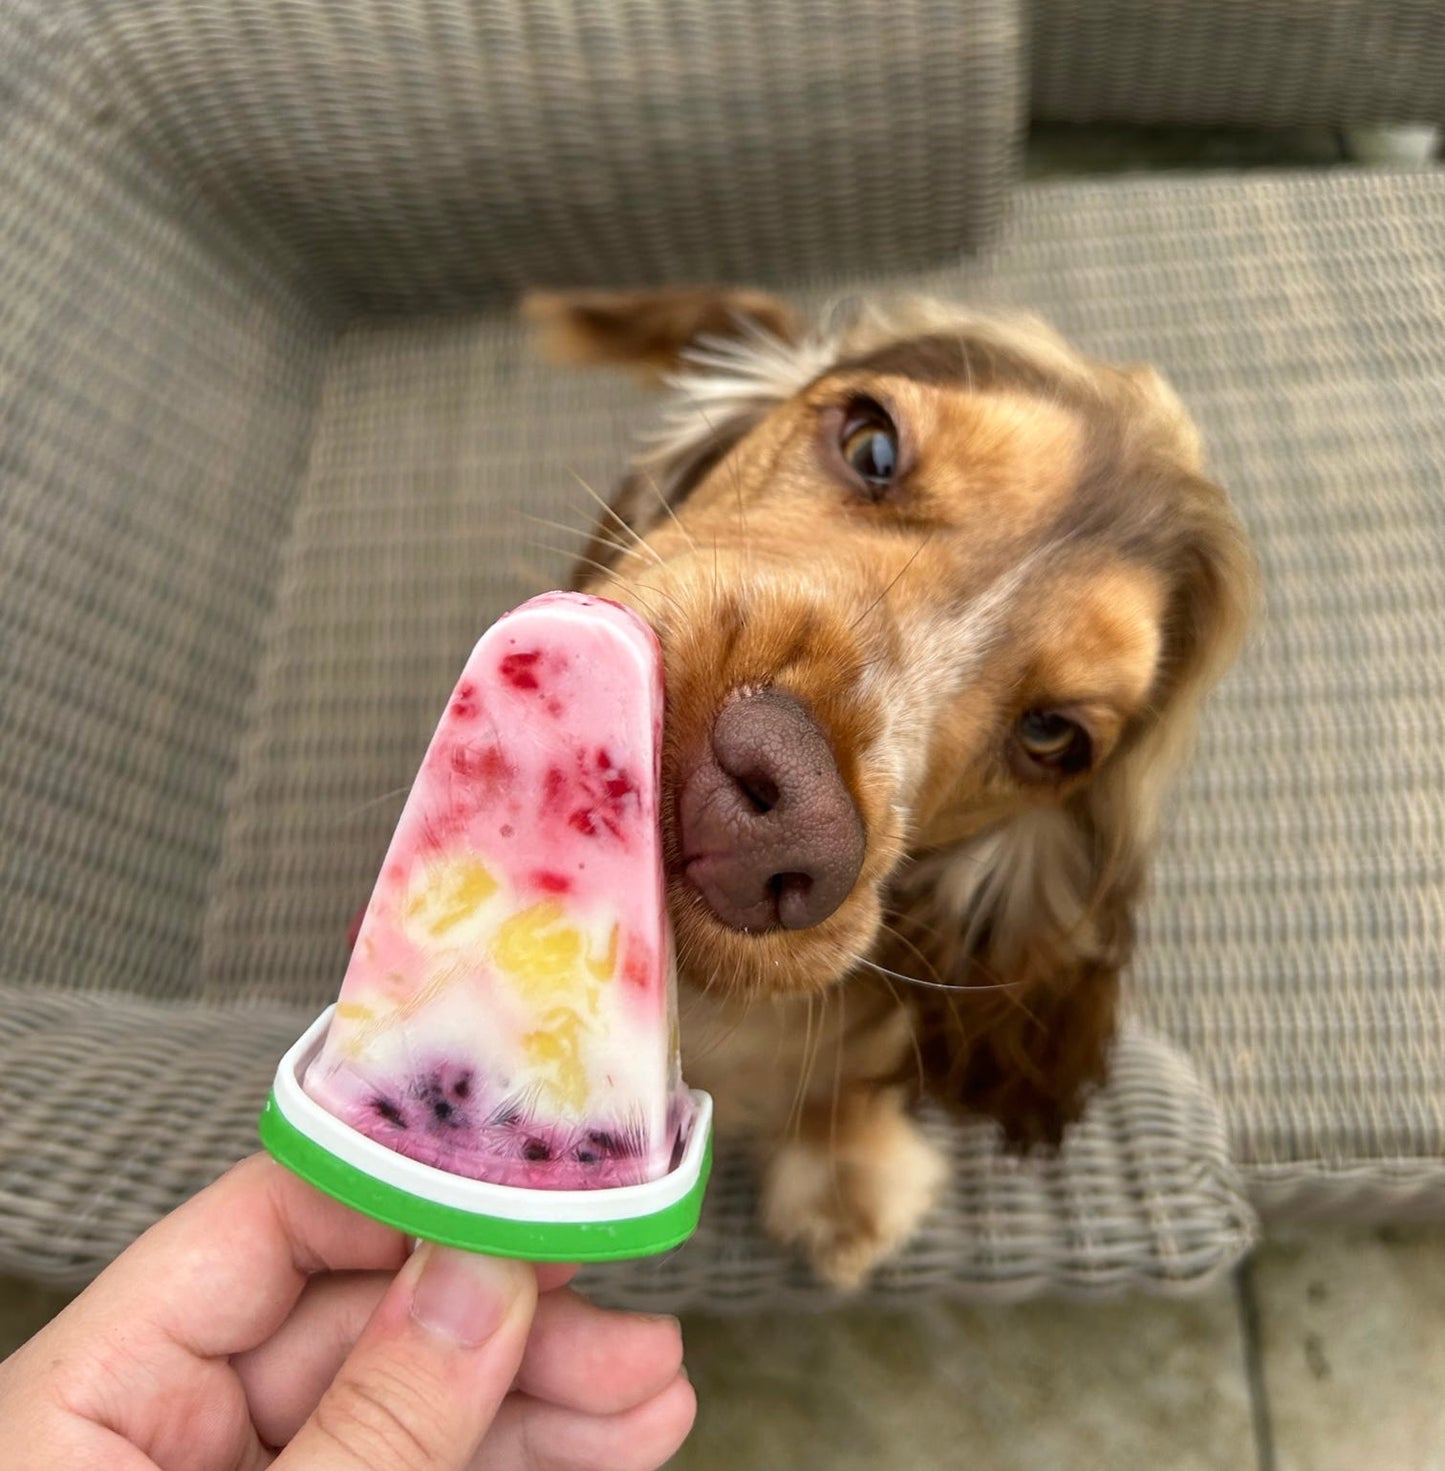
<point>1049,544</point>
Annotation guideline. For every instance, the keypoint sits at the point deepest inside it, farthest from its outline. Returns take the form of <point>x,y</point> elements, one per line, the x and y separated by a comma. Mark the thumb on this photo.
<point>429,1372</point>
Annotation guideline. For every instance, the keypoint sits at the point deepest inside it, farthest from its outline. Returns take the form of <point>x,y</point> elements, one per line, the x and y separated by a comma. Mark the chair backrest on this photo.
<point>420,154</point>
<point>198,191</point>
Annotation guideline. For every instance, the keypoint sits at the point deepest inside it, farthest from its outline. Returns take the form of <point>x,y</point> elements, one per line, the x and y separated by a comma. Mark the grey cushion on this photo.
<point>1251,63</point>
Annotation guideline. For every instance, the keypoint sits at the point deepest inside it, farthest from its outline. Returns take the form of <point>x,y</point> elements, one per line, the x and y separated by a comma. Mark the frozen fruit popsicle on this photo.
<point>508,1013</point>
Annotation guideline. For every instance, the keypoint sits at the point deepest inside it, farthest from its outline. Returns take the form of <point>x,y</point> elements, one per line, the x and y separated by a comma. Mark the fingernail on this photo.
<point>463,1297</point>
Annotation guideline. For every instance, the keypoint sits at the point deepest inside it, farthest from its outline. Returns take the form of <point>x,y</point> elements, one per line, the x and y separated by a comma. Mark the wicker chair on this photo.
<point>268,435</point>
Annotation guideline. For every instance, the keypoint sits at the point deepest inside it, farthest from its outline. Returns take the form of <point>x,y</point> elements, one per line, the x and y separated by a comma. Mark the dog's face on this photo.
<point>943,587</point>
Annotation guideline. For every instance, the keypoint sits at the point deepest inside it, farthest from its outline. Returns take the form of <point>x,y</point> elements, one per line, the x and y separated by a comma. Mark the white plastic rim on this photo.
<point>478,1197</point>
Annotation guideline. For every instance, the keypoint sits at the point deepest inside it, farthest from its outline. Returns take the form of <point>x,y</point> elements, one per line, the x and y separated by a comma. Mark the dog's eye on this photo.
<point>869,442</point>
<point>1054,742</point>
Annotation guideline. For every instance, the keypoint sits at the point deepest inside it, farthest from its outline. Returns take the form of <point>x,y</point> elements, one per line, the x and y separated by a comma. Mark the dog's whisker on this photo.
<point>667,506</point>
<point>600,567</point>
<point>591,535</point>
<point>892,583</point>
<point>585,528</point>
<point>607,510</point>
<point>718,1037</point>
<point>798,1090</point>
<point>743,534</point>
<point>916,949</point>
<point>916,923</point>
<point>824,999</point>
<point>811,1038</point>
<point>374,802</point>
<point>966,947</point>
<point>744,528</point>
<point>660,592</point>
<point>912,1033</point>
<point>967,357</point>
<point>833,1107</point>
<point>544,546</point>
<point>737,479</point>
<point>586,532</point>
<point>957,988</point>
<point>713,986</point>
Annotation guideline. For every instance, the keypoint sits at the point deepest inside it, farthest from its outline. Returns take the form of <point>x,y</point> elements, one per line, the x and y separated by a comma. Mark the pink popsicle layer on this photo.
<point>509,1011</point>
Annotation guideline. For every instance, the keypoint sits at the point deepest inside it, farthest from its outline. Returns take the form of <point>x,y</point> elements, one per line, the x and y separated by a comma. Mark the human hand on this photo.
<point>262,1315</point>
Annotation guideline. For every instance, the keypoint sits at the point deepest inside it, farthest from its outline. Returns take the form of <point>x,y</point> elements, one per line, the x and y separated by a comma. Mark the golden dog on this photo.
<point>938,598</point>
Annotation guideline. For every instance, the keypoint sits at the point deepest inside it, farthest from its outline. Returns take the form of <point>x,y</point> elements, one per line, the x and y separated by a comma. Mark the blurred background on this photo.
<point>269,438</point>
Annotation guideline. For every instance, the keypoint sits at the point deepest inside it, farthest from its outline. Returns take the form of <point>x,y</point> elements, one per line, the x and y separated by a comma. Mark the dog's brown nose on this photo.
<point>769,833</point>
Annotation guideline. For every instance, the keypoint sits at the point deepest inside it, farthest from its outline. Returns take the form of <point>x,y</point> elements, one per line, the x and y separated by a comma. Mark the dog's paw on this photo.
<point>851,1205</point>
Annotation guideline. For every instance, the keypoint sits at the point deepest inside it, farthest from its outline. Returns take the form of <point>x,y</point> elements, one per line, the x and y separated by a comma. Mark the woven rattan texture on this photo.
<point>1252,63</point>
<point>1294,944</point>
<point>119,1107</point>
<point>1142,1198</point>
<point>419,153</point>
<point>157,383</point>
<point>243,559</point>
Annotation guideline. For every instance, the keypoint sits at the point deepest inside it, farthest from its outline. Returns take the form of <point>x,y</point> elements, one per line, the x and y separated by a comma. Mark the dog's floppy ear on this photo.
<point>727,356</point>
<point>1031,924</point>
<point>650,330</point>
<point>1028,928</point>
